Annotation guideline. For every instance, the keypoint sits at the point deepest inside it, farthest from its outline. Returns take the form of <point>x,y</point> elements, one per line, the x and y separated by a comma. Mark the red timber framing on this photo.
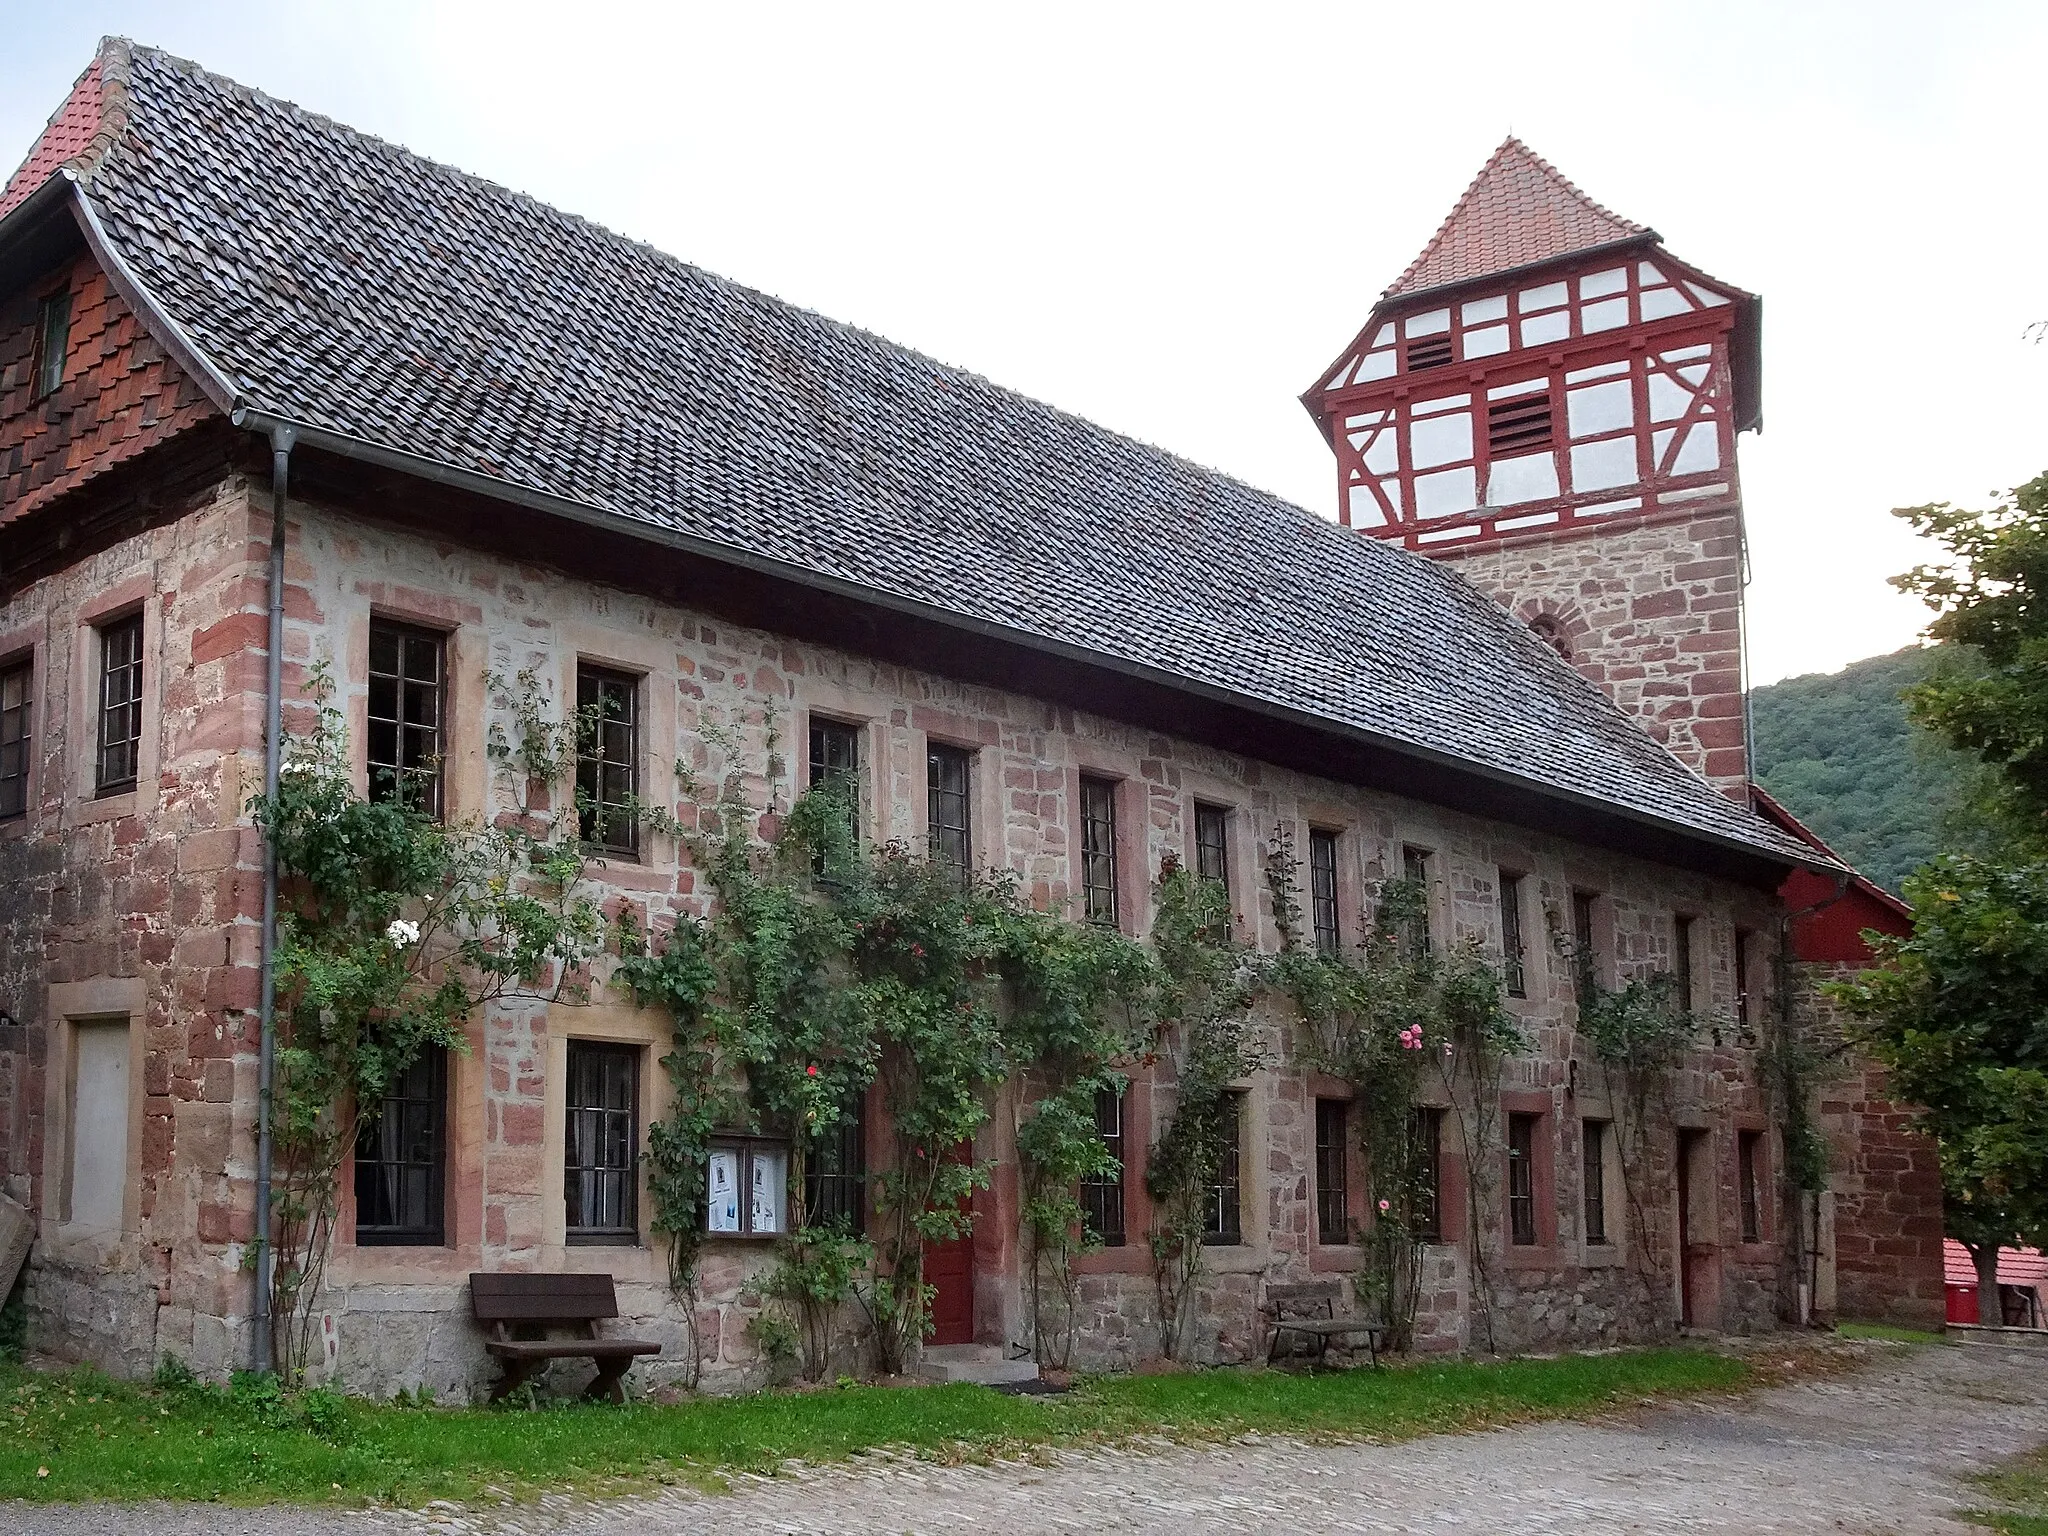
<point>1588,391</point>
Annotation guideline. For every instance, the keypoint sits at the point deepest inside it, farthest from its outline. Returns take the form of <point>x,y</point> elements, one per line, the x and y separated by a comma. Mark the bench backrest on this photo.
<point>1307,1300</point>
<point>542,1298</point>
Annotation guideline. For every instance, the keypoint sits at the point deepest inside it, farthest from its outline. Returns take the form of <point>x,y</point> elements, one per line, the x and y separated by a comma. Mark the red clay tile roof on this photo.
<point>69,133</point>
<point>1518,211</point>
<point>2016,1266</point>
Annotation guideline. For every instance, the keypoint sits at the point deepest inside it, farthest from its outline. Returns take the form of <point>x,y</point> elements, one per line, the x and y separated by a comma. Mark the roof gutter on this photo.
<point>362,450</point>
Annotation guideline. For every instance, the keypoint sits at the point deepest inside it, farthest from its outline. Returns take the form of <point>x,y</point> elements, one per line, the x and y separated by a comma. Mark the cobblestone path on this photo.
<point>1878,1450</point>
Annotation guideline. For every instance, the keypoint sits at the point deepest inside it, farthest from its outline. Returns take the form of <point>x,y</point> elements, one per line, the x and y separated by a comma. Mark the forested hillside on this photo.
<point>1836,749</point>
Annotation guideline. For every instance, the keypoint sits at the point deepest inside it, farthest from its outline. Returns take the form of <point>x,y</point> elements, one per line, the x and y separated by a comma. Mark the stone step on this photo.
<point>984,1364</point>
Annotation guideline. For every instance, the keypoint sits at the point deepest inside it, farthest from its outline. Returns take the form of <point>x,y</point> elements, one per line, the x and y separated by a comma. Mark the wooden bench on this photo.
<point>519,1310</point>
<point>1306,1315</point>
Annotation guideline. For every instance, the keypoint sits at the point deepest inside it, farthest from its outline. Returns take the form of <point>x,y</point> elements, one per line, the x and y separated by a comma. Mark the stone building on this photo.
<point>517,441</point>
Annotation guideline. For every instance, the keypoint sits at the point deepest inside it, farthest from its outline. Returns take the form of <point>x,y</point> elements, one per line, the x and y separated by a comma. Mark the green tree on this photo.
<point>1991,600</point>
<point>1958,1012</point>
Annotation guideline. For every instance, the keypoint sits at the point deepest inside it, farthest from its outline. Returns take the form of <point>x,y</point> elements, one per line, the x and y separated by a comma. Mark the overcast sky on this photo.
<point>1170,218</point>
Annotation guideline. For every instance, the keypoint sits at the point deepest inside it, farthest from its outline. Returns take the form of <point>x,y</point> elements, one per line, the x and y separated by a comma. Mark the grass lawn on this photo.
<point>78,1435</point>
<point>2022,1487</point>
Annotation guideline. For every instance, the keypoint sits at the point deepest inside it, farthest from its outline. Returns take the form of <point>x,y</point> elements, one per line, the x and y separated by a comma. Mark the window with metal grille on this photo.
<point>53,342</point>
<point>601,1143</point>
<point>1425,1166</point>
<point>1748,1155</point>
<point>1102,1195</point>
<point>120,723</point>
<point>1428,352</point>
<point>406,708</point>
<point>1681,961</point>
<point>1415,870</point>
<point>948,775</point>
<point>1514,958</point>
<point>401,1158</point>
<point>1520,424</point>
<point>1594,1136</point>
<point>1744,943</point>
<point>1522,1180</point>
<point>836,1172</point>
<point>747,1187</point>
<point>1585,958</point>
<point>608,760</point>
<point>1098,850</point>
<point>1322,891</point>
<point>15,689</point>
<point>1333,1193</point>
<point>1222,1219</point>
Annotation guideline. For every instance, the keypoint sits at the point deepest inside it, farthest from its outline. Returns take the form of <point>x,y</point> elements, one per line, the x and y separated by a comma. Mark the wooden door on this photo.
<point>949,1270</point>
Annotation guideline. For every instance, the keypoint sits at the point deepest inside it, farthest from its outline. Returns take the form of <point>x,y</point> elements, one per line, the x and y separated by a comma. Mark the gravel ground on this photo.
<point>1876,1450</point>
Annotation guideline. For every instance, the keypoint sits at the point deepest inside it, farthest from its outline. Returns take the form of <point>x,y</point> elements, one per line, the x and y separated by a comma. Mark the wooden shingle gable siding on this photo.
<point>119,395</point>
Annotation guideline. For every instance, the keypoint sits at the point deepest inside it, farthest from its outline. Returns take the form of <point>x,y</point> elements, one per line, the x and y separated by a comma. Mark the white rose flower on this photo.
<point>402,932</point>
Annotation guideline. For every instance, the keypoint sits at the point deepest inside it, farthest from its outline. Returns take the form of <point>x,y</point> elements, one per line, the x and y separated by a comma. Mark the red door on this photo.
<point>949,1270</point>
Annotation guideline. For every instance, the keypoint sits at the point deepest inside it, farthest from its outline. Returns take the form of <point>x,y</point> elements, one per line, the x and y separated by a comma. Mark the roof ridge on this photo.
<point>1509,146</point>
<point>955,370</point>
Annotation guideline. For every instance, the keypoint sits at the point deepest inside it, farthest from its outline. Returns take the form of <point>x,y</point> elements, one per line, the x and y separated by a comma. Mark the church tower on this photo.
<point>1550,399</point>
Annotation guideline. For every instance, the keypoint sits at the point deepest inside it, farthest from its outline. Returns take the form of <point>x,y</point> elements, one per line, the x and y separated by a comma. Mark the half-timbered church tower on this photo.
<point>1550,399</point>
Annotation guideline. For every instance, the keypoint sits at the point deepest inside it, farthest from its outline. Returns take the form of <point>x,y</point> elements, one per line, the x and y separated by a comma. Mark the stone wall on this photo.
<point>165,891</point>
<point>1649,612</point>
<point>1884,1185</point>
<point>140,905</point>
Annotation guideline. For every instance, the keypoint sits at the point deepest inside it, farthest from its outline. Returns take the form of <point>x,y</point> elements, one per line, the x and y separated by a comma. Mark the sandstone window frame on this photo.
<point>1533,1245</point>
<point>1325,887</point>
<point>837,746</point>
<point>1752,1179</point>
<point>1594,1136</point>
<point>70,1007</point>
<point>1223,1216</point>
<point>1418,866</point>
<point>949,805</point>
<point>1426,1139</point>
<point>619,745</point>
<point>608,1172</point>
<point>649,1030</point>
<point>18,734</point>
<point>408,637</point>
<point>431,1231</point>
<point>119,684</point>
<point>1514,946</point>
<point>117,600</point>
<point>1333,1214</point>
<point>1103,1203</point>
<point>1212,827</point>
<point>1097,842</point>
<point>1684,934</point>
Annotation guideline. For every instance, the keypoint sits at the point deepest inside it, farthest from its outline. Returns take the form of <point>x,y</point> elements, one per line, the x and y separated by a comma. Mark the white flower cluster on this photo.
<point>403,932</point>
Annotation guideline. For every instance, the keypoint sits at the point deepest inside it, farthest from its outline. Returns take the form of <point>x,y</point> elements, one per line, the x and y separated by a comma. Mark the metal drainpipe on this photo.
<point>281,439</point>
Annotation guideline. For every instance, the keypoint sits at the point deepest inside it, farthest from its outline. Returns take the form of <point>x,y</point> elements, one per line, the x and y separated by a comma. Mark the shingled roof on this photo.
<point>397,308</point>
<point>1519,211</point>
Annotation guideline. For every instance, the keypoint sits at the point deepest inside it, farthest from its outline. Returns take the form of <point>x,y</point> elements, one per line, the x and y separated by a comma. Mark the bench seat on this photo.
<point>510,1306</point>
